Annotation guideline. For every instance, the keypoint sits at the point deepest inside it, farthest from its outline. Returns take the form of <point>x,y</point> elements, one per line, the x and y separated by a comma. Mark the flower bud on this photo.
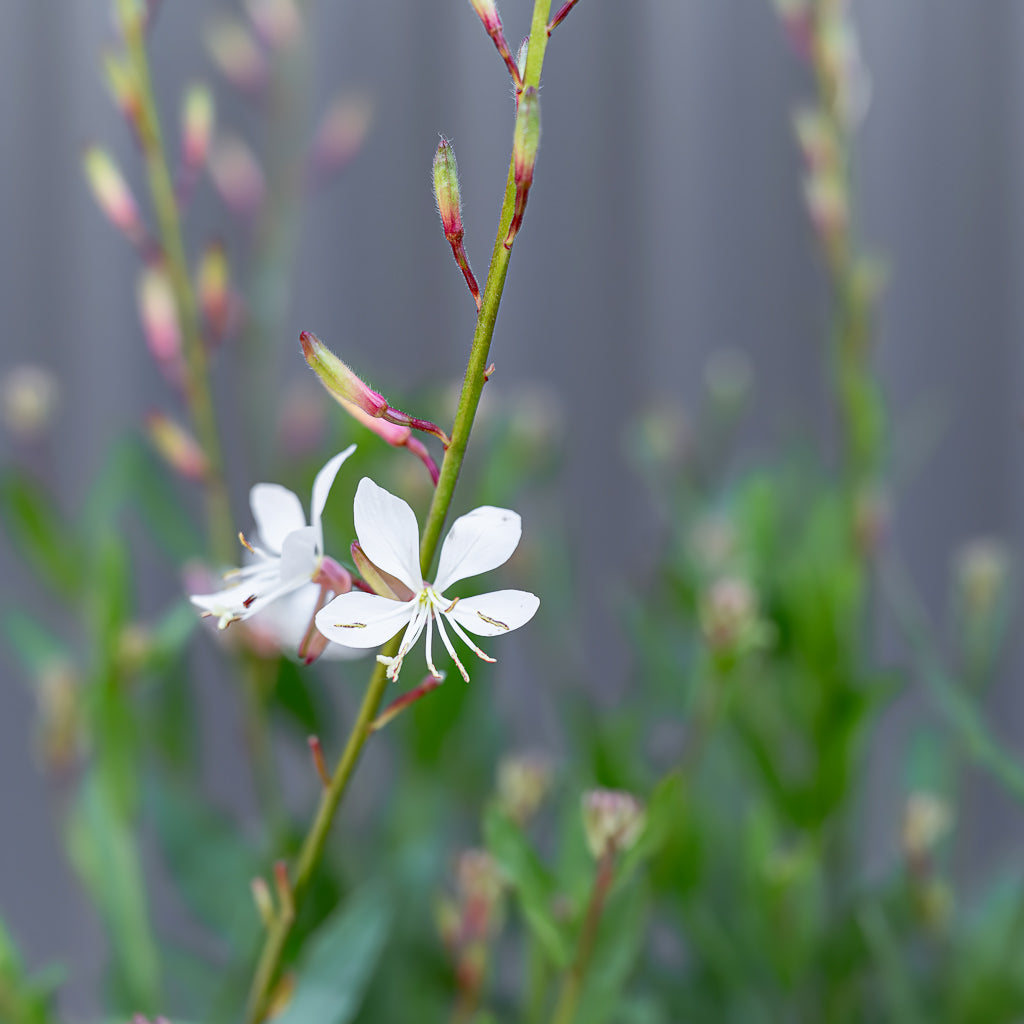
<point>487,12</point>
<point>236,53</point>
<point>525,142</point>
<point>237,176</point>
<point>28,398</point>
<point>178,448</point>
<point>277,21</point>
<point>446,190</point>
<point>730,618</point>
<point>196,125</point>
<point>339,380</point>
<point>122,85</point>
<point>827,203</point>
<point>112,193</point>
<point>159,315</point>
<point>981,570</point>
<point>480,886</point>
<point>926,819</point>
<point>612,821</point>
<point>816,135</point>
<point>340,136</point>
<point>213,288</point>
<point>523,782</point>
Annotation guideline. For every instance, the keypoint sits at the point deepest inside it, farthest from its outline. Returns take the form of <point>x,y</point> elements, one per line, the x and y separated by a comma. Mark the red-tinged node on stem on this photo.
<point>112,193</point>
<point>340,136</point>
<point>236,53</point>
<point>283,886</point>
<point>338,378</point>
<point>613,821</point>
<point>278,22</point>
<point>525,143</point>
<point>397,706</point>
<point>197,114</point>
<point>446,190</point>
<point>159,315</point>
<point>237,176</point>
<point>177,447</point>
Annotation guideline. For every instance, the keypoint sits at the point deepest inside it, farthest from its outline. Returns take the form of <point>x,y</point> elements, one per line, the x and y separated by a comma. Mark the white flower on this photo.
<point>387,532</point>
<point>289,553</point>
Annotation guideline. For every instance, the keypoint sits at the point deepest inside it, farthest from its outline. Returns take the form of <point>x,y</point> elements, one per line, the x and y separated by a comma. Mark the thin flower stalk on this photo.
<point>196,382</point>
<point>269,964</point>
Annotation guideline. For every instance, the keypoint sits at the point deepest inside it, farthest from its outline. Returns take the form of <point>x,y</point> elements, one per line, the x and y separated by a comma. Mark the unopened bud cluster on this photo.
<point>982,566</point>
<point>523,783</point>
<point>613,821</point>
<point>730,617</point>
<point>927,818</point>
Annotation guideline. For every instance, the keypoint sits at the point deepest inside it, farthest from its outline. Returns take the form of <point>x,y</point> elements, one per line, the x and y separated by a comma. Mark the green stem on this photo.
<point>196,377</point>
<point>572,987</point>
<point>269,963</point>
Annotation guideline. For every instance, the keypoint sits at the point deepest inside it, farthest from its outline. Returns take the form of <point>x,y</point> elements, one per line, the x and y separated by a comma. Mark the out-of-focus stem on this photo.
<point>312,848</point>
<point>165,204</point>
<point>572,987</point>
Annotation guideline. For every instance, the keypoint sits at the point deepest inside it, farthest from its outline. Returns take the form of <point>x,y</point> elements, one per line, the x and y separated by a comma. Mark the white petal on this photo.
<point>495,613</point>
<point>299,555</point>
<point>225,605</point>
<point>387,532</point>
<point>321,488</point>
<point>277,513</point>
<point>478,542</point>
<point>285,622</point>
<point>358,619</point>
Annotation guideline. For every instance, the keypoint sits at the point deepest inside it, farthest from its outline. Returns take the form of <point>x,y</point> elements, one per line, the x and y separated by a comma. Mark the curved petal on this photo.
<point>479,541</point>
<point>495,613</point>
<point>357,619</point>
<point>285,623</point>
<point>321,488</point>
<point>387,532</point>
<point>299,555</point>
<point>277,513</point>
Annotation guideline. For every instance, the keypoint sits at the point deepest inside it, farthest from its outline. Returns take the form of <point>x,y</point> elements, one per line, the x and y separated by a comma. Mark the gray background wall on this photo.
<point>665,223</point>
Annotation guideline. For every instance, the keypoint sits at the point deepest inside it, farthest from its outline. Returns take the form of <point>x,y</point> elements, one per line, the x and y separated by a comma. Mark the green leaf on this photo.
<point>36,647</point>
<point>38,533</point>
<point>209,860</point>
<point>664,810</point>
<point>104,852</point>
<point>341,958</point>
<point>297,696</point>
<point>530,880</point>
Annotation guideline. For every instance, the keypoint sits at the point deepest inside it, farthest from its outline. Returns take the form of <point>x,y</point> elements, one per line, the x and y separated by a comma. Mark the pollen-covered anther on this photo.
<point>245,544</point>
<point>493,622</point>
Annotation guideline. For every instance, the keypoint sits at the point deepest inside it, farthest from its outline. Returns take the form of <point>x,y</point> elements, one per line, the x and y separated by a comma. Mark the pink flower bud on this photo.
<point>339,380</point>
<point>159,315</point>
<point>612,820</point>
<point>236,53</point>
<point>213,288</point>
<point>525,142</point>
<point>121,83</point>
<point>177,446</point>
<point>237,176</point>
<point>277,21</point>
<point>487,12</point>
<point>196,125</point>
<point>112,193</point>
<point>340,136</point>
<point>446,190</point>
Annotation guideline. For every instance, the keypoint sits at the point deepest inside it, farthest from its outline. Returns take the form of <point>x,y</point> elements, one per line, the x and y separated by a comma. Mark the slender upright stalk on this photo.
<point>269,963</point>
<point>196,378</point>
<point>572,987</point>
